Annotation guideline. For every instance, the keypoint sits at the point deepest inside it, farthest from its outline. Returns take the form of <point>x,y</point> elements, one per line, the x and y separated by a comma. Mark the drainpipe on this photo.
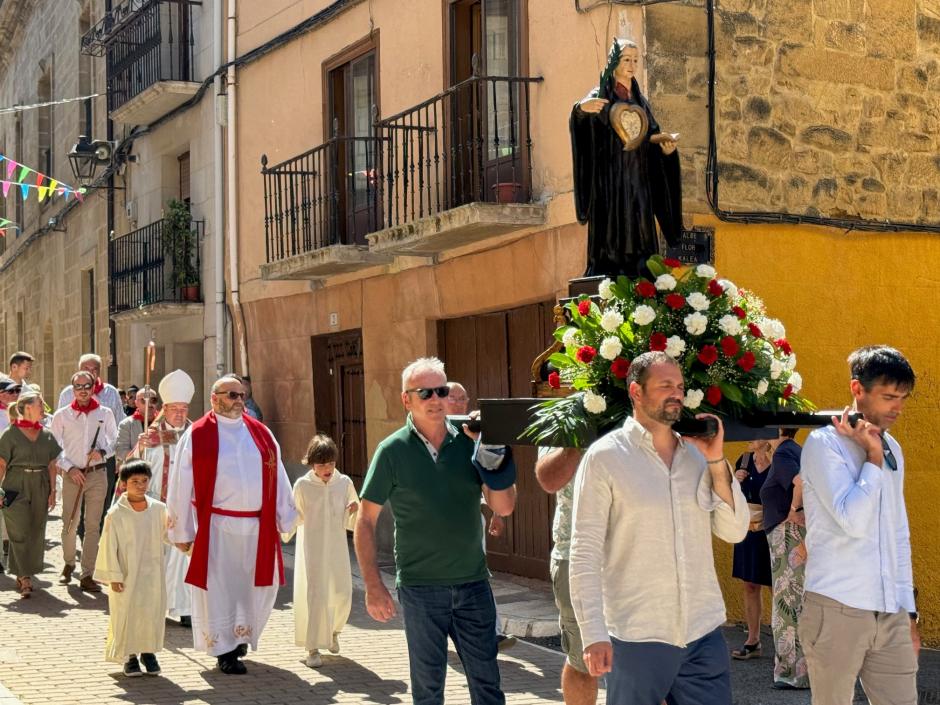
<point>232,174</point>
<point>218,204</point>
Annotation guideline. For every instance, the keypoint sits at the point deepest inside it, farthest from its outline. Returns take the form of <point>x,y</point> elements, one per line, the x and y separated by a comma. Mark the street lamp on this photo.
<point>86,156</point>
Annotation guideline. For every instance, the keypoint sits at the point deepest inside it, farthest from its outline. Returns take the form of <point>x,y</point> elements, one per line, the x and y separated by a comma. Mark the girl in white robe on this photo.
<point>326,503</point>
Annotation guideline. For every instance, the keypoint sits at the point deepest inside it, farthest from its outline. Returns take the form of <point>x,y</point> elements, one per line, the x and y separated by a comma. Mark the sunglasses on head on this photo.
<point>232,395</point>
<point>424,393</point>
<point>81,387</point>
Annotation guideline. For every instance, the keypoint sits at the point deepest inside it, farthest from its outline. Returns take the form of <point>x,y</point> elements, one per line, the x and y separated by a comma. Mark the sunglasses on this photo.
<point>232,395</point>
<point>81,387</point>
<point>425,393</point>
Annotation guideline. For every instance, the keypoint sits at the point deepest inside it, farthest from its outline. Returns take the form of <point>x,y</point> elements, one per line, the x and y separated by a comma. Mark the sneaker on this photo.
<point>132,667</point>
<point>313,659</point>
<point>150,663</point>
<point>88,584</point>
<point>504,642</point>
<point>67,574</point>
<point>334,647</point>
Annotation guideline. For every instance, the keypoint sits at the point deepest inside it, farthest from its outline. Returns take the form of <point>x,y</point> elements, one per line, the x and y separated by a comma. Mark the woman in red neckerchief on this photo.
<point>28,455</point>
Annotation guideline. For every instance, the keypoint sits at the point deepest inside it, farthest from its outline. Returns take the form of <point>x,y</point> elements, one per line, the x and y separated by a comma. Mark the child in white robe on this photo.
<point>130,561</point>
<point>326,505</point>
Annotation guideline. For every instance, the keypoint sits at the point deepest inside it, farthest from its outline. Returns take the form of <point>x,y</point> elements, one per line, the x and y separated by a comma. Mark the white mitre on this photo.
<point>177,388</point>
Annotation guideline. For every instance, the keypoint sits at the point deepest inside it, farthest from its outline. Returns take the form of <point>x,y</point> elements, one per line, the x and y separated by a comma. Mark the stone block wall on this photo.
<point>823,107</point>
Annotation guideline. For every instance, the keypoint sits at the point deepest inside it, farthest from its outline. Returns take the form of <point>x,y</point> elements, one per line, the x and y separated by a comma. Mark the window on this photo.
<point>45,117</point>
<point>88,310</point>
<point>18,209</point>
<point>20,331</point>
<point>185,195</point>
<point>85,80</point>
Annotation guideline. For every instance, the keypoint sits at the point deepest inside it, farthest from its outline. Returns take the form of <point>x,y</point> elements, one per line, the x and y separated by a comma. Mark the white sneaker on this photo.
<point>334,647</point>
<point>313,660</point>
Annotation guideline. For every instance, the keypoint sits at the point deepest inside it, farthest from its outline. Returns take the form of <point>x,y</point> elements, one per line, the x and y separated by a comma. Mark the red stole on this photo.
<point>205,446</point>
<point>92,405</point>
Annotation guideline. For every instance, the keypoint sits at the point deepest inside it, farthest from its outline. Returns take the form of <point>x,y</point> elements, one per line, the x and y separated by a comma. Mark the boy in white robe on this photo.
<point>130,561</point>
<point>326,503</point>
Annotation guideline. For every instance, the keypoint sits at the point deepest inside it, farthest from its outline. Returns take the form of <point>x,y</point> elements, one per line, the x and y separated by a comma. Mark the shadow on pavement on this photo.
<point>350,677</point>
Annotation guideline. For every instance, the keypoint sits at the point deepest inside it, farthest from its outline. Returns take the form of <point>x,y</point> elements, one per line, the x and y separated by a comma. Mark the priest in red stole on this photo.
<point>227,502</point>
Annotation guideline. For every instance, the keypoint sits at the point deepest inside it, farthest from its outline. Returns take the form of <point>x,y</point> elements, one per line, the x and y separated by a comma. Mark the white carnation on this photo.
<point>611,320</point>
<point>705,271</point>
<point>695,323</point>
<point>772,328</point>
<point>665,282</point>
<point>693,398</point>
<point>571,338</point>
<point>730,289</point>
<point>643,315</point>
<point>790,364</point>
<point>610,348</point>
<point>776,369</point>
<point>730,325</point>
<point>762,387</point>
<point>698,301</point>
<point>604,290</point>
<point>594,403</point>
<point>675,346</point>
<point>796,381</point>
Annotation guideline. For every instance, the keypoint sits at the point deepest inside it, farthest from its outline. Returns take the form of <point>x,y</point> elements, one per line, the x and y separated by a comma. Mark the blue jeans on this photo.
<point>647,673</point>
<point>467,614</point>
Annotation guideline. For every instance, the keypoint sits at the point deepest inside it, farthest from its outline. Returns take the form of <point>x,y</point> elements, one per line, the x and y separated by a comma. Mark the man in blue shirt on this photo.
<point>858,618</point>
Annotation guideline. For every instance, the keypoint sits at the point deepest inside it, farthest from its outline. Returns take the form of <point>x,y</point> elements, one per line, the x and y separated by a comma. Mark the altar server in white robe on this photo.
<point>228,500</point>
<point>326,504</point>
<point>157,445</point>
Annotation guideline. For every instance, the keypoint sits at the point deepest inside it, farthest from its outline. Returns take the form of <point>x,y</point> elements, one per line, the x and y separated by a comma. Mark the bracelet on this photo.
<point>713,462</point>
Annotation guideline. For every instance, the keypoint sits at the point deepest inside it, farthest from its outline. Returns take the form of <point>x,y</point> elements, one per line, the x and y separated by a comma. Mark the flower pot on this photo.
<point>191,293</point>
<point>508,192</point>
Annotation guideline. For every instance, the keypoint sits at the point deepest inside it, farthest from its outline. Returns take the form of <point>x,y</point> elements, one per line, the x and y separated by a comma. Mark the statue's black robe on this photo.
<point>618,193</point>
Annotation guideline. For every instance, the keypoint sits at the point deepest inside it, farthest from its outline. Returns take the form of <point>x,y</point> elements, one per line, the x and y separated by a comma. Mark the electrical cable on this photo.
<point>63,101</point>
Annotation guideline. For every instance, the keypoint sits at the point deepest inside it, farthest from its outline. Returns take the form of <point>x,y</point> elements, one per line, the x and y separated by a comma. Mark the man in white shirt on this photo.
<point>642,574</point>
<point>86,431</point>
<point>21,367</point>
<point>859,620</point>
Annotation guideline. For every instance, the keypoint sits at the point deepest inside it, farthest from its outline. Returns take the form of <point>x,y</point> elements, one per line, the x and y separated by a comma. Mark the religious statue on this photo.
<point>626,171</point>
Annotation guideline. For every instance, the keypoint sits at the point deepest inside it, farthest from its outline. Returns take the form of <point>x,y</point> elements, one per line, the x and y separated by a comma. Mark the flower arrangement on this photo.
<point>735,359</point>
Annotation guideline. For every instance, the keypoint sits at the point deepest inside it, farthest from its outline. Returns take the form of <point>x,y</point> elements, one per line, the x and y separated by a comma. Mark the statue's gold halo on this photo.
<point>630,123</point>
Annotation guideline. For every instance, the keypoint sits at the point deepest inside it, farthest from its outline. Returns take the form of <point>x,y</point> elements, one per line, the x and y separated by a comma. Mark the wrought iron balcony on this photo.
<point>151,266</point>
<point>149,45</point>
<point>464,154</point>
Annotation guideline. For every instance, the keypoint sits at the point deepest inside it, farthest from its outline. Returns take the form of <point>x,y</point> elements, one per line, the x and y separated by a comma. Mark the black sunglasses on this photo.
<point>80,387</point>
<point>424,393</point>
<point>233,395</point>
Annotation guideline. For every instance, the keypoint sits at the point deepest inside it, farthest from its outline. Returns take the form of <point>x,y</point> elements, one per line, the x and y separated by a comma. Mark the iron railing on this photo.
<point>147,267</point>
<point>471,143</point>
<point>323,197</point>
<point>145,41</point>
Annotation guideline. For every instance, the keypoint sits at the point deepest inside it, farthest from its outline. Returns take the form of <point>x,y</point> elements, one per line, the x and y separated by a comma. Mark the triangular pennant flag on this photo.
<point>41,192</point>
<point>53,185</point>
<point>40,178</point>
<point>24,172</point>
<point>2,157</point>
<point>24,189</point>
<point>4,222</point>
<point>6,188</point>
<point>66,193</point>
<point>80,195</point>
<point>11,167</point>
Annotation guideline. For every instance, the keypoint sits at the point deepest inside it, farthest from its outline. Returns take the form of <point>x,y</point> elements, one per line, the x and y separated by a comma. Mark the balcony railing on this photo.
<point>146,268</point>
<point>471,143</point>
<point>323,197</point>
<point>145,41</point>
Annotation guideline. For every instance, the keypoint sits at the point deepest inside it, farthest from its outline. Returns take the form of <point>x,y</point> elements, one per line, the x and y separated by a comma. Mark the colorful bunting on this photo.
<point>46,186</point>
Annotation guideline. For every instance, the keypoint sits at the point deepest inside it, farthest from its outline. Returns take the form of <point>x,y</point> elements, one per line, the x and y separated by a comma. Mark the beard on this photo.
<point>668,413</point>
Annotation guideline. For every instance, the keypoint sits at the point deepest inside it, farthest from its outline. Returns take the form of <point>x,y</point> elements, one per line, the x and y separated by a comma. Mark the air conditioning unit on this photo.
<point>130,210</point>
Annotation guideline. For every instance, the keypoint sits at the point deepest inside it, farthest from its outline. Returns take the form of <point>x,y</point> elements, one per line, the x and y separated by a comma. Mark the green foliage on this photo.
<point>180,241</point>
<point>613,58</point>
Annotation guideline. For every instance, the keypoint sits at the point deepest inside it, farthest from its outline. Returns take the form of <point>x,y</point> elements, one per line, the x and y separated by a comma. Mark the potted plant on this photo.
<point>180,241</point>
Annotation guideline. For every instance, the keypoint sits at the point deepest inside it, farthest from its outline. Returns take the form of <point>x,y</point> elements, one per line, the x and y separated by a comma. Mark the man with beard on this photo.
<point>646,503</point>
<point>228,501</point>
<point>158,447</point>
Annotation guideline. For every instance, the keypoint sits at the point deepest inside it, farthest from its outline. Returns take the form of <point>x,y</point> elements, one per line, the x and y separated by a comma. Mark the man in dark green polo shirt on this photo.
<point>433,474</point>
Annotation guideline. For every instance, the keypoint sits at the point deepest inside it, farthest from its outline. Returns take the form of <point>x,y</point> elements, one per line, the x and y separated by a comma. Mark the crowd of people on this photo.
<point>193,526</point>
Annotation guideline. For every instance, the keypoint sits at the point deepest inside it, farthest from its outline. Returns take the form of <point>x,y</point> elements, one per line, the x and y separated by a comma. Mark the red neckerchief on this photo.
<point>621,91</point>
<point>92,405</point>
<point>205,446</point>
<point>3,407</point>
<point>138,416</point>
<point>22,423</point>
<point>99,385</point>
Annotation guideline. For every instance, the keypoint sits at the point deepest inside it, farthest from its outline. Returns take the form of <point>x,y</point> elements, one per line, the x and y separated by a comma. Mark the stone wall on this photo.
<point>823,107</point>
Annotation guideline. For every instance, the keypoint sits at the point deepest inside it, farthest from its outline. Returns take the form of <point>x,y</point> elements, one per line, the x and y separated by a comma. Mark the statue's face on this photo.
<point>628,66</point>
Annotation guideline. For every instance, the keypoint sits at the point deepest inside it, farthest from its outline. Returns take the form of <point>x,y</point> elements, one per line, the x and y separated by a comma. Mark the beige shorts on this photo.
<point>570,632</point>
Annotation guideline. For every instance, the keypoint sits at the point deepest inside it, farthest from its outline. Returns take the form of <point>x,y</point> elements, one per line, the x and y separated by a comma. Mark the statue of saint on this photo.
<point>626,171</point>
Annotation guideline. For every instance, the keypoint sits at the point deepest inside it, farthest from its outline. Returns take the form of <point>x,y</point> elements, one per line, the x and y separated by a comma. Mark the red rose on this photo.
<point>645,289</point>
<point>708,355</point>
<point>714,288</point>
<point>788,391</point>
<point>554,380</point>
<point>584,307</point>
<point>657,342</point>
<point>729,346</point>
<point>784,345</point>
<point>713,395</point>
<point>585,354</point>
<point>670,262</point>
<point>746,361</point>
<point>620,368</point>
<point>738,311</point>
<point>675,301</point>
<point>755,331</point>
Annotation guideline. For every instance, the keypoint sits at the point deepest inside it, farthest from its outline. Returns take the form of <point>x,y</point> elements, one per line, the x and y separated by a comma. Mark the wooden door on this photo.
<point>339,398</point>
<point>491,355</point>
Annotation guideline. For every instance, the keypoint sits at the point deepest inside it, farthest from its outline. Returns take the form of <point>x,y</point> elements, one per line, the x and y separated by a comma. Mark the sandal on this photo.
<point>748,651</point>
<point>25,586</point>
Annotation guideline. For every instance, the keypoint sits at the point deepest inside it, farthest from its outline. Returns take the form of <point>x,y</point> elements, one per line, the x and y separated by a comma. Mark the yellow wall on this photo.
<point>835,292</point>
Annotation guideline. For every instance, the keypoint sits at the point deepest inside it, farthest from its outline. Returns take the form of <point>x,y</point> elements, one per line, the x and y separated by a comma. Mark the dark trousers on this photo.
<point>467,614</point>
<point>647,673</point>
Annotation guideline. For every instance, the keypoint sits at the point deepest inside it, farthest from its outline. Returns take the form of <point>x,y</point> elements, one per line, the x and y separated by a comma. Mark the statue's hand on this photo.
<point>593,105</point>
<point>668,141</point>
<point>668,147</point>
